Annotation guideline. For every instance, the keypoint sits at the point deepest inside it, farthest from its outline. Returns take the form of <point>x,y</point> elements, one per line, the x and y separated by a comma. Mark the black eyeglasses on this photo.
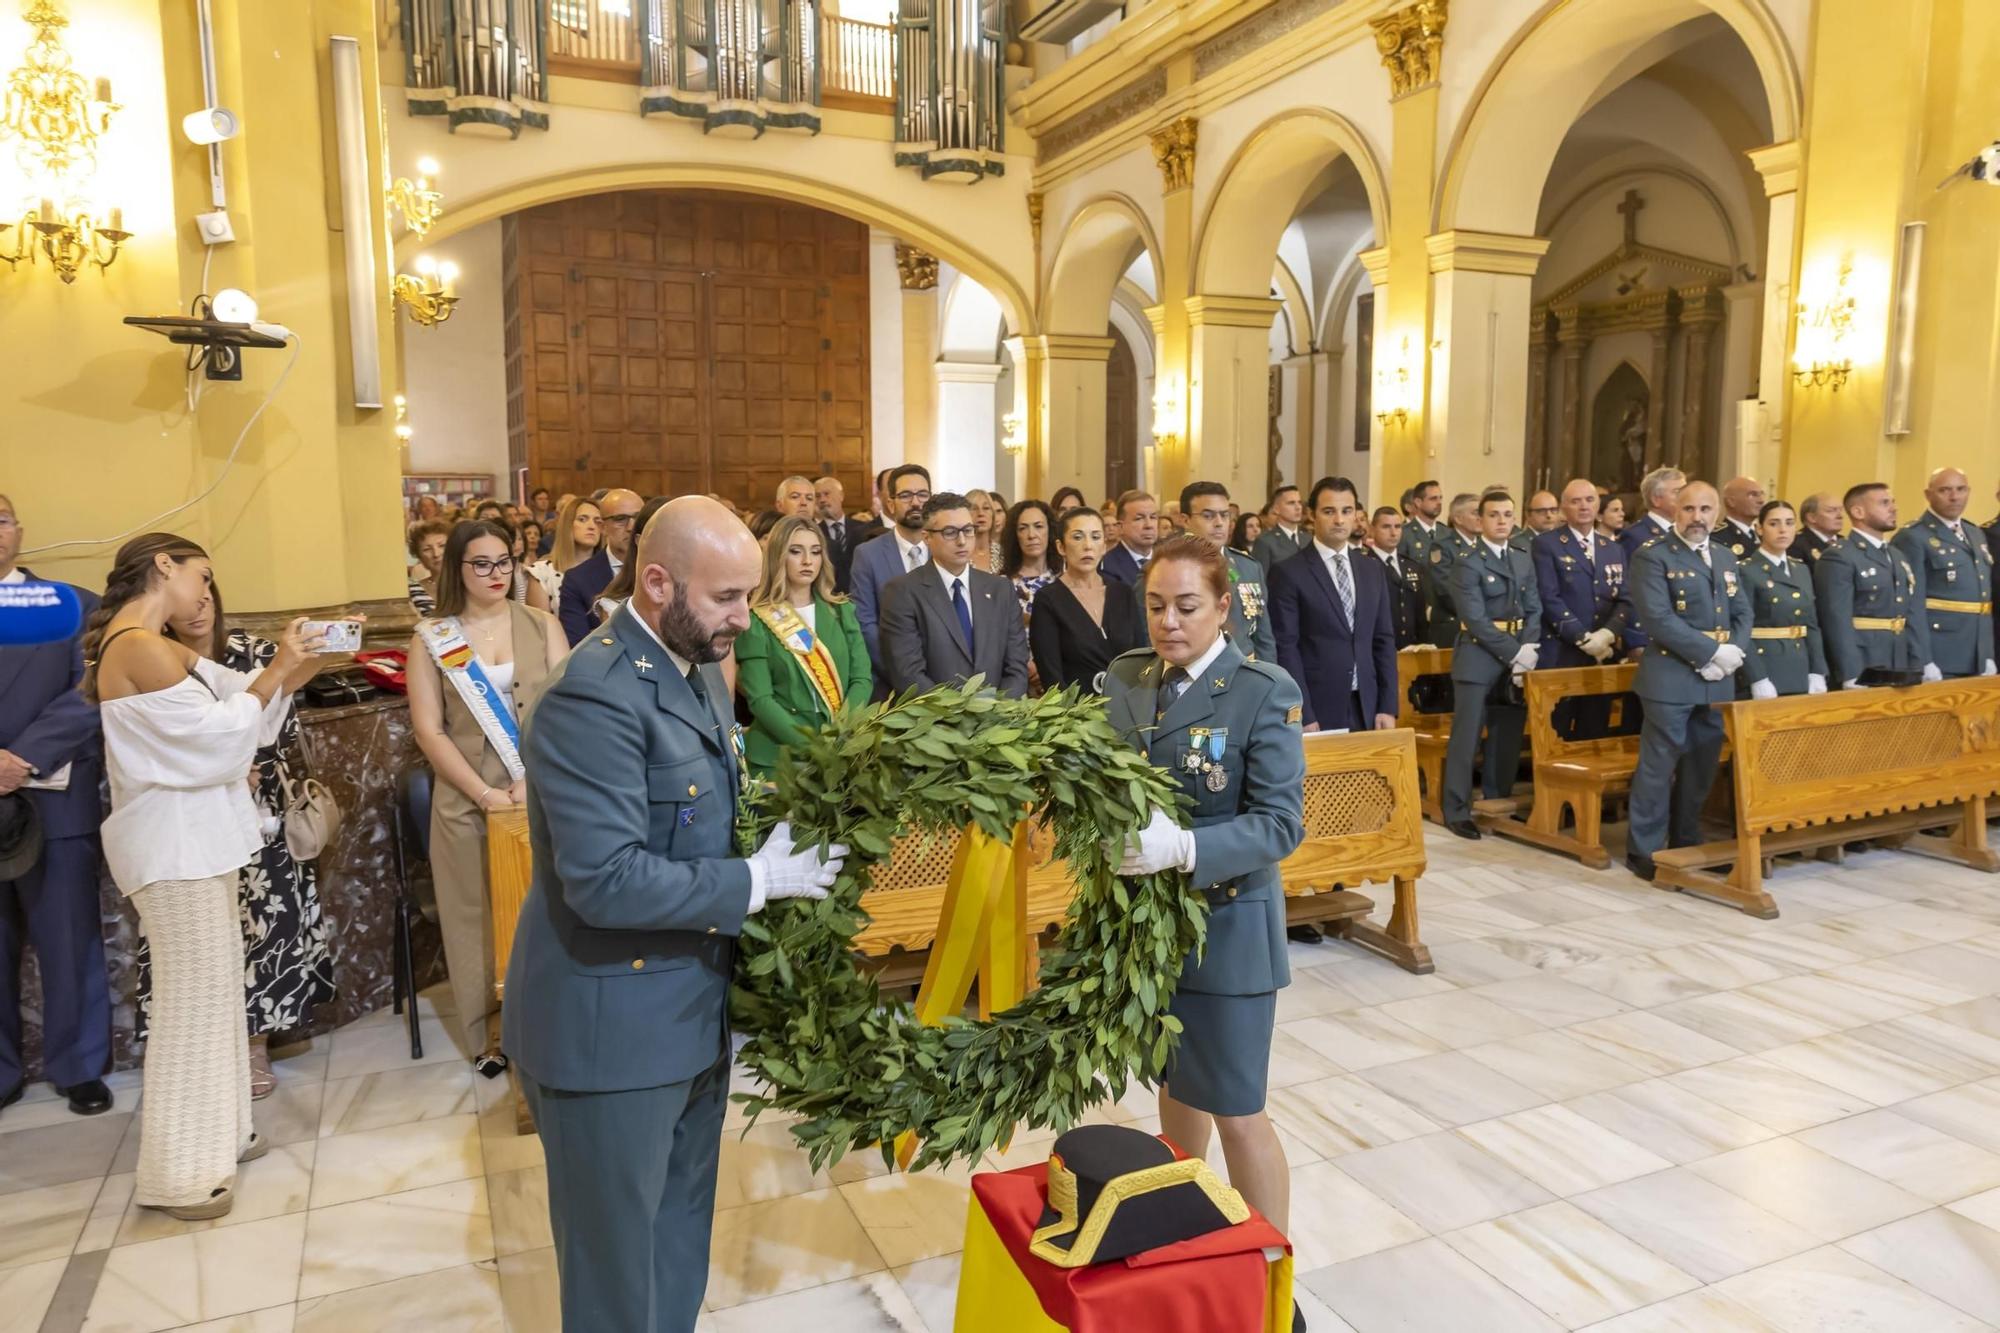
<point>619,520</point>
<point>907,496</point>
<point>486,569</point>
<point>963,533</point>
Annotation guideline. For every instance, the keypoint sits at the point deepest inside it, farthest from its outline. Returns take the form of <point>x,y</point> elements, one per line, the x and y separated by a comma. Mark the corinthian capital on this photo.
<point>1411,42</point>
<point>918,269</point>
<point>1173,149</point>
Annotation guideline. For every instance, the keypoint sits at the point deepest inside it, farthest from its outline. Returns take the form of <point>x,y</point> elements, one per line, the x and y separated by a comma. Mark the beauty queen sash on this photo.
<point>489,706</point>
<point>807,649</point>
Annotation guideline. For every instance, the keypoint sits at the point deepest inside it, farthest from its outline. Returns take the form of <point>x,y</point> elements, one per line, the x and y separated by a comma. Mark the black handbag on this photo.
<point>332,689</point>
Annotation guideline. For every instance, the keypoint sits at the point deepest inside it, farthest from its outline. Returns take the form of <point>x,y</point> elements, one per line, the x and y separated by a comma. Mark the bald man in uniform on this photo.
<point>618,985</point>
<point>1952,603</point>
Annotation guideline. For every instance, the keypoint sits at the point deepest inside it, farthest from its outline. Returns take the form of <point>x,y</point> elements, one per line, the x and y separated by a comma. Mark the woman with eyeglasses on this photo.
<point>579,532</point>
<point>475,669</point>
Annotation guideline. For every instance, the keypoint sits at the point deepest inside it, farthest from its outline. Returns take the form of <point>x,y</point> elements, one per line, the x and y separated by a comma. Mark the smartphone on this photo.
<point>342,636</point>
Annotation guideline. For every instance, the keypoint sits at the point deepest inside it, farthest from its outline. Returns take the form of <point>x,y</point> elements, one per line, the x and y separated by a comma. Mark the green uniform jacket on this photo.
<point>1437,574</point>
<point>1244,830</point>
<point>783,703</point>
<point>1249,609</point>
<point>1414,547</point>
<point>1858,579</point>
<point>1690,609</point>
<point>1499,608</point>
<point>1783,599</point>
<point>1950,569</point>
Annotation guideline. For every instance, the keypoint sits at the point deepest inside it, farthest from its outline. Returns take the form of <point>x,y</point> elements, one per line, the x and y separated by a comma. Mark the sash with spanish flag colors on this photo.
<point>489,707</point>
<point>806,647</point>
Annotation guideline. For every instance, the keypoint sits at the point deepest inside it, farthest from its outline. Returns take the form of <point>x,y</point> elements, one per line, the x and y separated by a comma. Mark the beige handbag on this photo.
<point>311,816</point>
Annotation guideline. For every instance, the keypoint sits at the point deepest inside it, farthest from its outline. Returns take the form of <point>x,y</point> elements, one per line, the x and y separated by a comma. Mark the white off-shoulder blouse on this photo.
<point>179,764</point>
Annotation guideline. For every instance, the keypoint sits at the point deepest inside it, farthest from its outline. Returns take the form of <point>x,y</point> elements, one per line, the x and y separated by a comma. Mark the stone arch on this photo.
<point>912,227</point>
<point>1262,187</point>
<point>1297,308</point>
<point>972,323</point>
<point>1565,58</point>
<point>1099,244</point>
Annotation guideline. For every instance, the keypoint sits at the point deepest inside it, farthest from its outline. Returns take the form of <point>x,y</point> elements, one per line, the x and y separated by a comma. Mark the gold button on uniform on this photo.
<point>711,930</point>
<point>692,791</point>
<point>605,642</point>
<point>1232,893</point>
<point>638,964</point>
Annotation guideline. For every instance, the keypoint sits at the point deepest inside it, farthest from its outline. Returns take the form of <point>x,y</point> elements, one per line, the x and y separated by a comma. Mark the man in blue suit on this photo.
<point>1138,533</point>
<point>582,585</point>
<point>49,737</point>
<point>1330,615</point>
<point>882,560</point>
<point>618,987</point>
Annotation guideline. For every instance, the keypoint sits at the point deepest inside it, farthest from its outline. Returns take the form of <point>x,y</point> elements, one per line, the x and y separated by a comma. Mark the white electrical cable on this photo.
<point>151,524</point>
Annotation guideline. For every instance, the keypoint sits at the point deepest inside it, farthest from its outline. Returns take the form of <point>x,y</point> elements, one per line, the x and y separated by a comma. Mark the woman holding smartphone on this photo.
<point>475,669</point>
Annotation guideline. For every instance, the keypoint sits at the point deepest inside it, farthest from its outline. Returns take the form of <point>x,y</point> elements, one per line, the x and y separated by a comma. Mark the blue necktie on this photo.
<point>964,612</point>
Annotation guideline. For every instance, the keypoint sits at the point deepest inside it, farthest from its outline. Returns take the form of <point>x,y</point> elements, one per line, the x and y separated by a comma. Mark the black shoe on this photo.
<point>91,1098</point>
<point>1464,828</point>
<point>1298,1319</point>
<point>490,1065</point>
<point>1642,866</point>
<point>13,1095</point>
<point>1304,934</point>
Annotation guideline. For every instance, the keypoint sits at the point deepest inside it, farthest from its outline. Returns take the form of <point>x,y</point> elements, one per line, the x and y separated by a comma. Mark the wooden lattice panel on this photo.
<point>1853,749</point>
<point>918,861</point>
<point>1342,805</point>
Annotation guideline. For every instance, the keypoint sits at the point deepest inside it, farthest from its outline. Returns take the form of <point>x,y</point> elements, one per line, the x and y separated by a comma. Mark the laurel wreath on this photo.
<point>830,1047</point>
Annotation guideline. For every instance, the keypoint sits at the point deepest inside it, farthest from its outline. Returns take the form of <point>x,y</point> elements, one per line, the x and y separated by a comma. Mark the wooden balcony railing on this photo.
<point>594,39</point>
<point>860,58</point>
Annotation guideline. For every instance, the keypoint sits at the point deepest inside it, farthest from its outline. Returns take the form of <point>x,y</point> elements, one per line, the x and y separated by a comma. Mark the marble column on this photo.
<point>1695,457</point>
<point>1572,448</point>
<point>1539,464</point>
<point>1656,398</point>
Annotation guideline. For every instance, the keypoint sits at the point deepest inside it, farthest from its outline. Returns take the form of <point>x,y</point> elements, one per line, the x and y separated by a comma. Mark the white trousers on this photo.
<point>194,1111</point>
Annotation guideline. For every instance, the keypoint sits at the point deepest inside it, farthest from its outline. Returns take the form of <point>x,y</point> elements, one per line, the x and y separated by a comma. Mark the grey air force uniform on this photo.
<point>1952,610</point>
<point>1500,609</point>
<point>1867,605</point>
<point>1691,607</point>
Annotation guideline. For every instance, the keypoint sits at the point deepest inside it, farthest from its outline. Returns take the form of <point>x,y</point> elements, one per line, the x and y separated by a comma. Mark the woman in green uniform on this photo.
<point>1786,656</point>
<point>1228,730</point>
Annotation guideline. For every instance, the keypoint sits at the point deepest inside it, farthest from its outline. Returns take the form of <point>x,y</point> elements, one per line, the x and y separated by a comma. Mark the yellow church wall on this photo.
<point>1900,95</point>
<point>99,436</point>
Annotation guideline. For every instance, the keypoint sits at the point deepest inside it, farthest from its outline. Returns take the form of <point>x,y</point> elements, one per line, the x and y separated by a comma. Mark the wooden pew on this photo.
<point>1363,825</point>
<point>1817,771</point>
<point>510,870</point>
<point>1570,774</point>
<point>1433,730</point>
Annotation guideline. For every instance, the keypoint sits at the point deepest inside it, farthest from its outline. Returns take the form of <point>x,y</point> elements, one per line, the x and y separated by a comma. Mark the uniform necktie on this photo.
<point>1343,585</point>
<point>964,611</point>
<point>694,683</point>
<point>1390,561</point>
<point>1590,552</point>
<point>1172,686</point>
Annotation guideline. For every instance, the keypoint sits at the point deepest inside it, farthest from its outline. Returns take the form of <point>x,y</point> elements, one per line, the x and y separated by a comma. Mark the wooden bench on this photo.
<point>1816,771</point>
<point>1433,730</point>
<point>510,871</point>
<point>1571,774</point>
<point>1363,825</point>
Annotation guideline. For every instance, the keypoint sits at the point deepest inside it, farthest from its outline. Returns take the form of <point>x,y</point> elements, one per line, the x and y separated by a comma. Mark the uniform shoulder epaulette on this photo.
<point>1269,670</point>
<point>597,652</point>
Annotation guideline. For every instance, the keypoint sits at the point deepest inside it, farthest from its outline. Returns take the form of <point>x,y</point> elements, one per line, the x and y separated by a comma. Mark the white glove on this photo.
<point>1710,670</point>
<point>1931,673</point>
<point>1815,684</point>
<point>1600,644</point>
<point>1991,669</point>
<point>1729,657</point>
<point>1763,689</point>
<point>1161,845</point>
<point>780,869</point>
<point>1854,685</point>
<point>1525,659</point>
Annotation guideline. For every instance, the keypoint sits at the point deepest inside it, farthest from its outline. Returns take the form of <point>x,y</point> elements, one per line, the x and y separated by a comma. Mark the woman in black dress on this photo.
<point>1080,621</point>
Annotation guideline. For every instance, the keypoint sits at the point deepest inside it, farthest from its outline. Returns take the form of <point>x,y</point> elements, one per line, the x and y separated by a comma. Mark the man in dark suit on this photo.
<point>1406,581</point>
<point>1287,534</point>
<point>582,585</point>
<point>49,737</point>
<point>843,535</point>
<point>947,622</point>
<point>1138,533</point>
<point>1330,613</point>
<point>618,985</point>
<point>882,560</point>
<point>1820,522</point>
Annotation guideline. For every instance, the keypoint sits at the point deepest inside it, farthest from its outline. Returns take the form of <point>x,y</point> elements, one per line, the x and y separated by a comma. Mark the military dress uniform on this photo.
<point>1582,587</point>
<point>1740,541</point>
<point>1953,606</point>
<point>1785,641</point>
<point>1691,608</point>
<point>1406,598</point>
<point>1809,546</point>
<point>1413,548</point>
<point>1867,605</point>
<point>1231,740</point>
<point>1438,584</point>
<point>1499,610</point>
<point>1249,608</point>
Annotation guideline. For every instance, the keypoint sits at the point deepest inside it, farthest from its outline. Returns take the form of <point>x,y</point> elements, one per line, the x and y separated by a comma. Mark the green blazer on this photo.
<point>783,704</point>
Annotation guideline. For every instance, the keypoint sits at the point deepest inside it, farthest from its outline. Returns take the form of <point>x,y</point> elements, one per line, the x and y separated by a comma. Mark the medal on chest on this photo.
<point>1206,747</point>
<point>1251,597</point>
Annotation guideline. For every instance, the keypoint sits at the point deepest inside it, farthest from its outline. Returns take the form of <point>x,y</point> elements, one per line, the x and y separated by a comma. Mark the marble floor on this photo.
<point>1612,1108</point>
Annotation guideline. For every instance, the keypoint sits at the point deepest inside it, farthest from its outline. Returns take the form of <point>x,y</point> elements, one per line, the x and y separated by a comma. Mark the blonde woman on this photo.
<point>579,531</point>
<point>986,544</point>
<point>803,656</point>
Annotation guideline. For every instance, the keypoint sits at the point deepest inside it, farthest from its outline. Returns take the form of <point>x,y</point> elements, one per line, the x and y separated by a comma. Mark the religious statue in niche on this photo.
<point>1632,438</point>
<point>1619,426</point>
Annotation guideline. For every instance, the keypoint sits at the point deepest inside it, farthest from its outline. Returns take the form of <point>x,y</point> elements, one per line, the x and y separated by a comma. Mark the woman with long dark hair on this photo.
<point>1082,620</point>
<point>180,735</point>
<point>1027,550</point>
<point>475,669</point>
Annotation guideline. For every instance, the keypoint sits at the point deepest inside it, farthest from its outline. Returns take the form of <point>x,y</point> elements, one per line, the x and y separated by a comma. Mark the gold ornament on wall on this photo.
<point>427,294</point>
<point>919,270</point>
<point>1173,150</point>
<point>1411,43</point>
<point>1820,357</point>
<point>56,122</point>
<point>419,203</point>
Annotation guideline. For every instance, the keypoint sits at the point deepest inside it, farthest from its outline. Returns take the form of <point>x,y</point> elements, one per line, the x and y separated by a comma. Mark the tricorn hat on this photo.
<point>1116,1191</point>
<point>1881,675</point>
<point>20,836</point>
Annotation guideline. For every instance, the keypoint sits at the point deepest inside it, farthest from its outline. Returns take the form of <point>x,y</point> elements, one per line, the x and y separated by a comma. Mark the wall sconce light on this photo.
<point>56,121</point>
<point>1167,416</point>
<point>403,431</point>
<point>1392,390</point>
<point>1013,436</point>
<point>68,240</point>
<point>1819,358</point>
<point>427,294</point>
<point>418,202</point>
